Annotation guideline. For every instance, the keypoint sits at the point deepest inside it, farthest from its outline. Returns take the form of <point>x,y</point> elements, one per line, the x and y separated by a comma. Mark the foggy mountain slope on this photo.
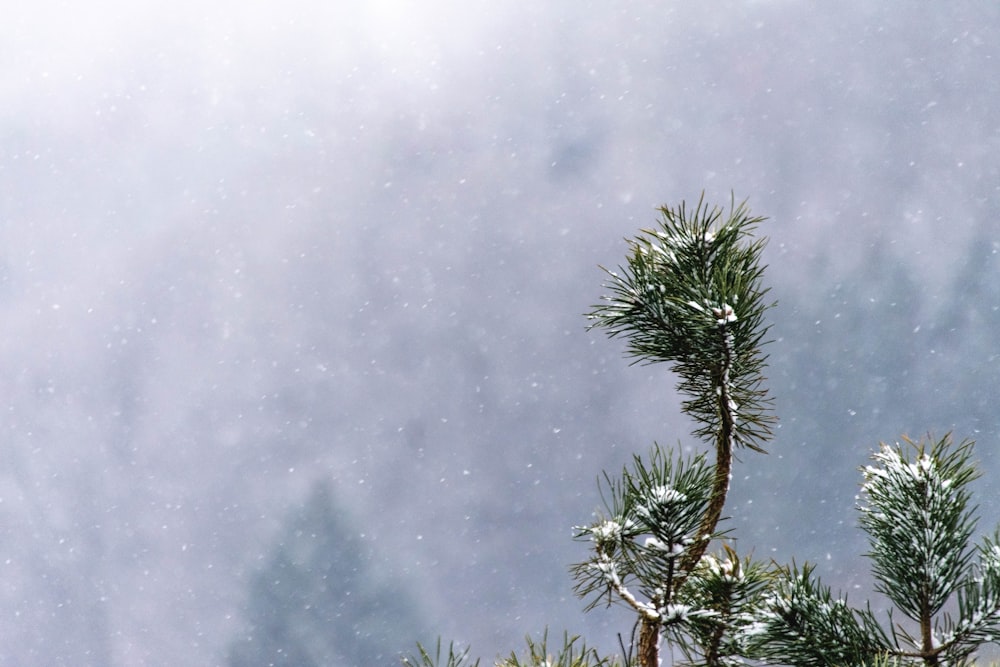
<point>244,251</point>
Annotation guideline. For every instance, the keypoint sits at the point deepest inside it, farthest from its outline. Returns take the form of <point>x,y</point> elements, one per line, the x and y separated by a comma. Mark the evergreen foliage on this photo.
<point>802,623</point>
<point>916,511</point>
<point>574,653</point>
<point>456,658</point>
<point>691,295</point>
<point>724,593</point>
<point>653,515</point>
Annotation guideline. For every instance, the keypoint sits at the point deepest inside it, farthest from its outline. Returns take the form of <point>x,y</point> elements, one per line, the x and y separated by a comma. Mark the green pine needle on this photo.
<point>691,295</point>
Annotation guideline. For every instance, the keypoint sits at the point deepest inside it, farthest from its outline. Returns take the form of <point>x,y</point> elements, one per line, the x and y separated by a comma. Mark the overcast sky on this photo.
<point>248,246</point>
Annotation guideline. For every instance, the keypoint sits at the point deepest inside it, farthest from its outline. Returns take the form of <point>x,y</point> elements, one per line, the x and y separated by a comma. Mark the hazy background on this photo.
<point>250,250</point>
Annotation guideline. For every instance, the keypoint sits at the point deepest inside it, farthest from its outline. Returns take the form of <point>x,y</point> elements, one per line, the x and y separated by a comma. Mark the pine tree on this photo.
<point>317,602</point>
<point>691,296</point>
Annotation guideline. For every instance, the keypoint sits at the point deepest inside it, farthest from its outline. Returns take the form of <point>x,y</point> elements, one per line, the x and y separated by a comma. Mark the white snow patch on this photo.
<point>608,531</point>
<point>724,314</point>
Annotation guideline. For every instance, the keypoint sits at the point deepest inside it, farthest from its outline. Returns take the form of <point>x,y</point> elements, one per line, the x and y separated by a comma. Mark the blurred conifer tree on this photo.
<point>319,602</point>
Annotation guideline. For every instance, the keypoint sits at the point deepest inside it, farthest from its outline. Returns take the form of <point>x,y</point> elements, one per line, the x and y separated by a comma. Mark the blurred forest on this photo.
<point>270,272</point>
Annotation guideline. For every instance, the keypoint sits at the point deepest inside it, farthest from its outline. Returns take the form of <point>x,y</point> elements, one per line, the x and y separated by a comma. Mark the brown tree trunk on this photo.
<point>723,460</point>
<point>649,643</point>
<point>929,651</point>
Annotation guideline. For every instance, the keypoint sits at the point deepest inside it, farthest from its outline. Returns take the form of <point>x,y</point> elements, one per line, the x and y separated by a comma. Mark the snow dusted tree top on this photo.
<point>690,294</point>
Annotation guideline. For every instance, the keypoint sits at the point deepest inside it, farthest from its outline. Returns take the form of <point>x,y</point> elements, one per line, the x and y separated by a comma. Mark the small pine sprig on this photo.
<point>919,522</point>
<point>801,623</point>
<point>574,653</point>
<point>915,507</point>
<point>456,657</point>
<point>732,590</point>
<point>653,513</point>
<point>978,620</point>
<point>691,295</point>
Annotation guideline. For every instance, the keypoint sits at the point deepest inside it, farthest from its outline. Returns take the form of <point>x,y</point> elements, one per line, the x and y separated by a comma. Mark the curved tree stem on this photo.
<point>724,441</point>
<point>649,643</point>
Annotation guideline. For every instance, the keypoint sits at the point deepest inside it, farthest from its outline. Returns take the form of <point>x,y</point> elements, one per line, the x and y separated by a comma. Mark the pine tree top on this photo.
<point>690,295</point>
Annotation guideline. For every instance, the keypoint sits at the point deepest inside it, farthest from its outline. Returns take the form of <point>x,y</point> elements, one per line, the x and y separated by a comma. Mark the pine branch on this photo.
<point>652,516</point>
<point>919,523</point>
<point>455,657</point>
<point>574,653</point>
<point>729,591</point>
<point>803,624</point>
<point>915,509</point>
<point>687,284</point>
<point>690,296</point>
<point>978,605</point>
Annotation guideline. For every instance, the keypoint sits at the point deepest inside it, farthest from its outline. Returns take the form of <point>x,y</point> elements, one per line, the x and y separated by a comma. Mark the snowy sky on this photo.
<point>249,246</point>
